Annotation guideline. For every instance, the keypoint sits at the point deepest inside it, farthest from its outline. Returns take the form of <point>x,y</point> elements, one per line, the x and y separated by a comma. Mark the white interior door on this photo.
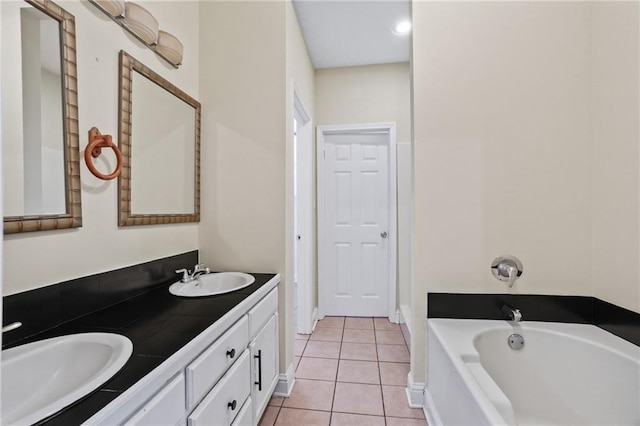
<point>355,223</point>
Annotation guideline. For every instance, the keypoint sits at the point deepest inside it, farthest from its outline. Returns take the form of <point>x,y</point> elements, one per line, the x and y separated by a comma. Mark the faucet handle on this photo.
<point>198,267</point>
<point>507,268</point>
<point>185,274</point>
<point>11,326</point>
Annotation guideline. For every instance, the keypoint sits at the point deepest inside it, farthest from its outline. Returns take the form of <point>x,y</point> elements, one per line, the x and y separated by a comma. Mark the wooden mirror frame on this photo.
<point>128,65</point>
<point>73,216</point>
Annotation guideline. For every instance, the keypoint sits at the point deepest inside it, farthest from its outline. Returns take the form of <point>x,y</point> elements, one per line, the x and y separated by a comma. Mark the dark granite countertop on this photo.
<point>158,324</point>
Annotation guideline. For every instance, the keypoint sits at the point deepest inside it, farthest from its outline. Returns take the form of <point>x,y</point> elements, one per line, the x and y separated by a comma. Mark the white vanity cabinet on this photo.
<point>223,377</point>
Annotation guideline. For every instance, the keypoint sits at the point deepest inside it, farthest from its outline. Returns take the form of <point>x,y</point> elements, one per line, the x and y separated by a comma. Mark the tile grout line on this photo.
<point>375,339</point>
<point>335,383</point>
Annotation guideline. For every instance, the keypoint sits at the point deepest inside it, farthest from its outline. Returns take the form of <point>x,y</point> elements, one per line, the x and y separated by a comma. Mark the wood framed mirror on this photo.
<point>159,137</point>
<point>40,135</point>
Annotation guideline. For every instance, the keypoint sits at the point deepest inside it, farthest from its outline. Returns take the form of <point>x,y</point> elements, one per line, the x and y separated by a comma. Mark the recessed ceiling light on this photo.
<point>402,28</point>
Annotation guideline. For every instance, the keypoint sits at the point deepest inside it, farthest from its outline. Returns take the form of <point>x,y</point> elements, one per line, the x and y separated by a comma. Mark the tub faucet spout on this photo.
<point>512,313</point>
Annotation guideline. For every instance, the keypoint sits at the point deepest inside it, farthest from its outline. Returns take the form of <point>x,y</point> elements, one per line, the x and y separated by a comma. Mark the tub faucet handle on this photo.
<point>507,268</point>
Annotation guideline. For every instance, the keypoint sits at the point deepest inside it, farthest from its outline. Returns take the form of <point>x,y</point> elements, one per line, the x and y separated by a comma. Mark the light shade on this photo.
<point>112,7</point>
<point>141,22</point>
<point>170,47</point>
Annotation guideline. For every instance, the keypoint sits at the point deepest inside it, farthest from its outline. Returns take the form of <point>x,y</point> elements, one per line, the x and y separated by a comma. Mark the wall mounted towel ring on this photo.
<point>98,141</point>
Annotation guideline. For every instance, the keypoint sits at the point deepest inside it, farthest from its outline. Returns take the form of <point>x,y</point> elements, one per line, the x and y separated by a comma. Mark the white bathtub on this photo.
<point>566,374</point>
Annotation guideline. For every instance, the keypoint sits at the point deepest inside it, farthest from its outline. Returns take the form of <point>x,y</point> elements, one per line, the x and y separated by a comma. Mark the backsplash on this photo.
<point>48,307</point>
<point>571,309</point>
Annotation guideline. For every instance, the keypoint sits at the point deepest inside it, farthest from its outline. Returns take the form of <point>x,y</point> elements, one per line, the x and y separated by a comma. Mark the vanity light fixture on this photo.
<point>170,47</point>
<point>115,8</point>
<point>141,22</point>
<point>402,28</point>
<point>144,26</point>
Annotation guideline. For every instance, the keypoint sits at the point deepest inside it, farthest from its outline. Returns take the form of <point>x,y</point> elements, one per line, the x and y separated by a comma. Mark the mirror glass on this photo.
<point>39,118</point>
<point>160,142</point>
<point>163,150</point>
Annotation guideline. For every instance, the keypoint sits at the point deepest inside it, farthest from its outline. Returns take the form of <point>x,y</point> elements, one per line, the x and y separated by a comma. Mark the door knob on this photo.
<point>384,234</point>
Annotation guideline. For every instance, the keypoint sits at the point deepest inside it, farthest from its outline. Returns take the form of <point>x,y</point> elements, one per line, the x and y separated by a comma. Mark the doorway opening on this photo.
<point>357,220</point>
<point>302,218</point>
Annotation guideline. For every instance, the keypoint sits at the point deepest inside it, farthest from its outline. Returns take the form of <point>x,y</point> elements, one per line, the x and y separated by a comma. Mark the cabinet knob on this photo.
<point>232,405</point>
<point>231,353</point>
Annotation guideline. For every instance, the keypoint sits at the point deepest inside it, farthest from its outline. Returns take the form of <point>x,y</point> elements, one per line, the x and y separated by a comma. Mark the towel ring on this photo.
<point>97,141</point>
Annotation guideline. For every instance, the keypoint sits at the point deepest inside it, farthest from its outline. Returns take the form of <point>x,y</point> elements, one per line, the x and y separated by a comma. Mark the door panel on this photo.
<point>356,200</point>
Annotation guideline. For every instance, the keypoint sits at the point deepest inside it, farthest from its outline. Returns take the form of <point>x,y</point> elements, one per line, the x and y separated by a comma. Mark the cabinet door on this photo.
<point>264,366</point>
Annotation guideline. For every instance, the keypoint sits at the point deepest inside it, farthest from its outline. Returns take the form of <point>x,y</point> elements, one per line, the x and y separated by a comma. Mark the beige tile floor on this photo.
<point>349,372</point>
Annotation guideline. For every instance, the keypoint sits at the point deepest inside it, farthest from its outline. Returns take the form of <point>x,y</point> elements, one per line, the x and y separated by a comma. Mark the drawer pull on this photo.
<point>259,358</point>
<point>231,354</point>
<point>232,405</point>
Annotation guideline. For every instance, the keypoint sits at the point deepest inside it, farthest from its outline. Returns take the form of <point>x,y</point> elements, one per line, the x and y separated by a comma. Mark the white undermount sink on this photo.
<point>212,284</point>
<point>41,378</point>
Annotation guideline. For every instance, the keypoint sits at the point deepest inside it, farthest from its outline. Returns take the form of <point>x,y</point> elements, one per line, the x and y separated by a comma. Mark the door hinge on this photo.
<point>324,154</point>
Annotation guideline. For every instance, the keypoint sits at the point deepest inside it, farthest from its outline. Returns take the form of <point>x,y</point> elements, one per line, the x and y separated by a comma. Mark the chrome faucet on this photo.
<point>512,313</point>
<point>200,269</point>
<point>188,276</point>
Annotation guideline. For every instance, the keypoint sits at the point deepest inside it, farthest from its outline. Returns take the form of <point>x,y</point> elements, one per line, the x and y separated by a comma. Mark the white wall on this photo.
<point>370,94</point>
<point>503,150</point>
<point>38,259</point>
<point>526,144</point>
<point>615,115</point>
<point>244,142</point>
<point>365,94</point>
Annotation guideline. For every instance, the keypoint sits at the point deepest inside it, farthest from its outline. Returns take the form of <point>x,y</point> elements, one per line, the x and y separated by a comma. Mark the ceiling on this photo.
<point>341,33</point>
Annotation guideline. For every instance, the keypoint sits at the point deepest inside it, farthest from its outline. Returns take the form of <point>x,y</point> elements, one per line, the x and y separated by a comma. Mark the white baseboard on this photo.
<point>415,393</point>
<point>430,412</point>
<point>285,382</point>
<point>314,318</point>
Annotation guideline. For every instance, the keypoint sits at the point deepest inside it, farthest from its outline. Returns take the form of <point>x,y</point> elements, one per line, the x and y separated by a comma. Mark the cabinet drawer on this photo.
<point>234,386</point>
<point>245,416</point>
<point>205,371</point>
<point>166,408</point>
<point>259,314</point>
